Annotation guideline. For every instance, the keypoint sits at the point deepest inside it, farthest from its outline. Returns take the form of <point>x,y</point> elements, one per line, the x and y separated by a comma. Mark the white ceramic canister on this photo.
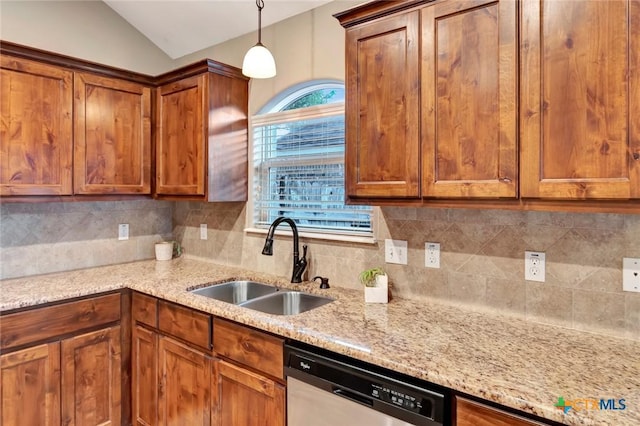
<point>164,250</point>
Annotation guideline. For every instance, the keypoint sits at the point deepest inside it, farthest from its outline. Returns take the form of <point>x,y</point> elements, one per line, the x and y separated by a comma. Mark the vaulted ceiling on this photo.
<point>181,27</point>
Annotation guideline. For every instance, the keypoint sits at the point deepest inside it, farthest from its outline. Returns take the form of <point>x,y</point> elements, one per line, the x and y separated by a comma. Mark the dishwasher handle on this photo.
<point>352,396</point>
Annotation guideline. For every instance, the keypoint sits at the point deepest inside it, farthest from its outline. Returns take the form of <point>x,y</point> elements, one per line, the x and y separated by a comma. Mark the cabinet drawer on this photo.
<point>145,309</point>
<point>45,323</point>
<point>185,323</point>
<point>255,349</point>
<point>471,413</point>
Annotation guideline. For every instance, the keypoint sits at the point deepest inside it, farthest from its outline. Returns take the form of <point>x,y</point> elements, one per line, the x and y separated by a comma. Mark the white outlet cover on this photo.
<point>203,231</point>
<point>395,251</point>
<point>534,266</point>
<point>631,274</point>
<point>123,231</point>
<point>432,255</point>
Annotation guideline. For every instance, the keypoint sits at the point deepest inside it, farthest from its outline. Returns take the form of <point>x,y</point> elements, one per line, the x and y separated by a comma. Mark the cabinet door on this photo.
<point>36,134</point>
<point>112,120</point>
<point>181,136</point>
<point>469,89</point>
<point>470,413</point>
<point>144,360</point>
<point>30,386</point>
<point>244,398</point>
<point>91,378</point>
<point>382,108</point>
<point>580,110</point>
<point>185,378</point>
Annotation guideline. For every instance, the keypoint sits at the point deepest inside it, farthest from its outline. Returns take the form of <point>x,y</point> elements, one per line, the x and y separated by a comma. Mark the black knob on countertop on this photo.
<point>324,282</point>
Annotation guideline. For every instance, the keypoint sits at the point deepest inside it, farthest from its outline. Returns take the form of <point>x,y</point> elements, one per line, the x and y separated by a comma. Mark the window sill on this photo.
<point>316,236</point>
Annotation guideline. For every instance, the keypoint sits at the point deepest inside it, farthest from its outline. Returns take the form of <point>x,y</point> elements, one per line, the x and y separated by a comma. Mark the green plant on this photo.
<point>368,276</point>
<point>177,249</point>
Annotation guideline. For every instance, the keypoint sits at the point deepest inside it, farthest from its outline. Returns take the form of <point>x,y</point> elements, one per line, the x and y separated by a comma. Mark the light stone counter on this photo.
<point>509,361</point>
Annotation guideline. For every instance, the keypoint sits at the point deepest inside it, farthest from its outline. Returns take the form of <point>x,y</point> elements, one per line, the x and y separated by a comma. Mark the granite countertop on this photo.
<point>510,361</point>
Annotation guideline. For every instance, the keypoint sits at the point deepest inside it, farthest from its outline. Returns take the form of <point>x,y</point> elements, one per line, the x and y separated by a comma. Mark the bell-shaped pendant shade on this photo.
<point>259,63</point>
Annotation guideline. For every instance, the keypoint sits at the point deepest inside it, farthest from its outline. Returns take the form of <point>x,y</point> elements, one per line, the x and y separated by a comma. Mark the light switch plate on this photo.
<point>203,231</point>
<point>631,274</point>
<point>395,251</point>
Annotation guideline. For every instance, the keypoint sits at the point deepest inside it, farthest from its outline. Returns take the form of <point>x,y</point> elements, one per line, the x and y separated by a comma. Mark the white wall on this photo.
<point>306,47</point>
<point>87,30</point>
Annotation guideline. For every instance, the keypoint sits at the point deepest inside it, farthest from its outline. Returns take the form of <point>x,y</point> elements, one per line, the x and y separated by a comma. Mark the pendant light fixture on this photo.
<point>258,61</point>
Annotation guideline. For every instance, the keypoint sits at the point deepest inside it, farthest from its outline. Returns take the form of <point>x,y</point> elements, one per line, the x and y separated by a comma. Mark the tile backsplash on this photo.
<point>38,238</point>
<point>482,253</point>
<point>482,259</point>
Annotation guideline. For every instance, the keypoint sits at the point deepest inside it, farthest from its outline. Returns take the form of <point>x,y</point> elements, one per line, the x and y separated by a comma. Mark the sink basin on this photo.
<point>287,303</point>
<point>236,291</point>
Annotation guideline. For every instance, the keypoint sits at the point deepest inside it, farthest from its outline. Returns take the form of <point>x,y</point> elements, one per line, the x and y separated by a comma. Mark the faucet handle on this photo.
<point>324,282</point>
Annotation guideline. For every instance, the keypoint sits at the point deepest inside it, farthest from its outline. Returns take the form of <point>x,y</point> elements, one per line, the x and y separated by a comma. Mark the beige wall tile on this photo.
<point>549,304</point>
<point>632,314</point>
<point>51,237</point>
<point>466,288</point>
<point>598,310</point>
<point>506,295</point>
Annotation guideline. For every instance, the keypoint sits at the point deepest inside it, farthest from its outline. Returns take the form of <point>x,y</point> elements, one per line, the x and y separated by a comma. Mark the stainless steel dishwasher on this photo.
<point>327,389</point>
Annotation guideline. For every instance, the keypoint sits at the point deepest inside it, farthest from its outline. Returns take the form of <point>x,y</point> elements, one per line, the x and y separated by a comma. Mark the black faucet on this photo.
<point>299,264</point>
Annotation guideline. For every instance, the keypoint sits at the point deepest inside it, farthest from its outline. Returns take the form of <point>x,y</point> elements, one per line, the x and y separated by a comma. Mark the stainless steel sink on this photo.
<point>287,303</point>
<point>263,297</point>
<point>236,291</point>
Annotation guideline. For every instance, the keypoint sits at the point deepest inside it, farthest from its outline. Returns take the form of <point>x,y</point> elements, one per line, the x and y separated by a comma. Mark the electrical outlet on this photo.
<point>534,266</point>
<point>432,255</point>
<point>123,231</point>
<point>631,274</point>
<point>395,251</point>
<point>203,231</point>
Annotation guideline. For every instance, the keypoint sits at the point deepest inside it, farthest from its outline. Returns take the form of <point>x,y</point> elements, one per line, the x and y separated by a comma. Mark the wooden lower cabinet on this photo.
<point>245,398</point>
<point>184,385</point>
<point>62,365</point>
<point>471,413</point>
<point>179,379</point>
<point>91,376</point>
<point>144,376</point>
<point>72,382</point>
<point>30,386</point>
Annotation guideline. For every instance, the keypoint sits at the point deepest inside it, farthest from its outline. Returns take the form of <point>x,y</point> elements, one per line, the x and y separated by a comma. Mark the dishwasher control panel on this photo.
<point>401,399</point>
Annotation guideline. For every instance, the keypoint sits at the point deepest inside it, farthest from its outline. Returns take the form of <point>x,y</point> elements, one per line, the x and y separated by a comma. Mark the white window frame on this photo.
<point>271,113</point>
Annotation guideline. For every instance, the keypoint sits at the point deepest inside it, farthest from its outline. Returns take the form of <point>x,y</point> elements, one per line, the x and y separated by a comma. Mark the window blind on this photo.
<point>299,171</point>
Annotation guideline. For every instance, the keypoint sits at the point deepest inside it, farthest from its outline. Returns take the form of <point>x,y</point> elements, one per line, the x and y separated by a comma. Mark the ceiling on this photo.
<point>180,27</point>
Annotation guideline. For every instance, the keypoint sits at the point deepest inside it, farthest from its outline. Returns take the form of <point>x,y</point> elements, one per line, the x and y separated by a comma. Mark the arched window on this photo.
<point>298,162</point>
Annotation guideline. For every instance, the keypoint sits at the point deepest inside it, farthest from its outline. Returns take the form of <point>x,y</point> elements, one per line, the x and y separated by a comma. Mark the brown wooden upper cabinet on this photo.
<point>36,130</point>
<point>564,125</point>
<point>580,99</point>
<point>469,99</point>
<point>431,99</point>
<point>70,127</point>
<point>201,137</point>
<point>112,120</point>
<point>382,115</point>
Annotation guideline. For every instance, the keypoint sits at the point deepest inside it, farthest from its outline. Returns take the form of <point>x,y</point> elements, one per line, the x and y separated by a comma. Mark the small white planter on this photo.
<point>379,293</point>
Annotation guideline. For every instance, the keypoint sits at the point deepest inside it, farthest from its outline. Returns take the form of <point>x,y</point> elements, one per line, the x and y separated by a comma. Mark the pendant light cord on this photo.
<point>260,4</point>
